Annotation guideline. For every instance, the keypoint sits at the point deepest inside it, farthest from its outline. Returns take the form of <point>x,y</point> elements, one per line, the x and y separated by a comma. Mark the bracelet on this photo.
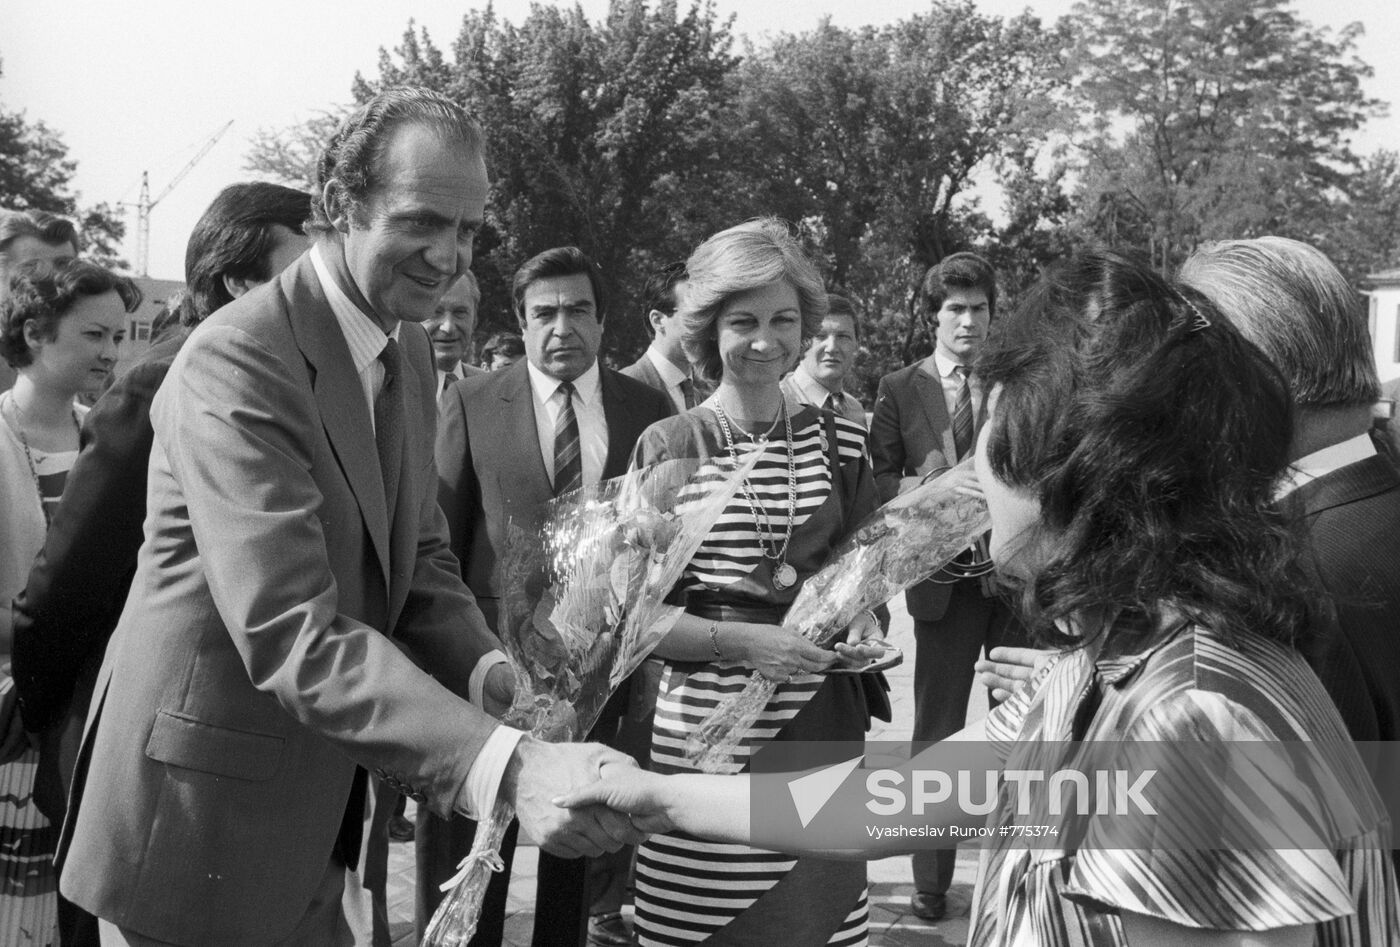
<point>714,639</point>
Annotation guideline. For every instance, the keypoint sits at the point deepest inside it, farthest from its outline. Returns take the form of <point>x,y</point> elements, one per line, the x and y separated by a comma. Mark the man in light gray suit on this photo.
<point>294,552</point>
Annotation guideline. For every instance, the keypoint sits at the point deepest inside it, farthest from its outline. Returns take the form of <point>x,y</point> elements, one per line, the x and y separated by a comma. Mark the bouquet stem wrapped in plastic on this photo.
<point>582,605</point>
<point>900,544</point>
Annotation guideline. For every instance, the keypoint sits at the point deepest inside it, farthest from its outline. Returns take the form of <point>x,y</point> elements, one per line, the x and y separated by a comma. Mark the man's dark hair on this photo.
<point>556,262</point>
<point>503,343</point>
<point>38,224</point>
<point>234,238</point>
<point>43,293</point>
<point>959,271</point>
<point>659,293</point>
<point>352,159</point>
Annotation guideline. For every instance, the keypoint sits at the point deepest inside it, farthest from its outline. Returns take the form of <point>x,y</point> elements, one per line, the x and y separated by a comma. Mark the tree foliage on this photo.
<point>288,155</point>
<point>1154,124</point>
<point>1215,119</point>
<point>36,173</point>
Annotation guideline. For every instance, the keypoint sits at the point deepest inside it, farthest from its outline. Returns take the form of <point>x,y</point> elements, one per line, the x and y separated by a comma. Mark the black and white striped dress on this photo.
<point>689,890</point>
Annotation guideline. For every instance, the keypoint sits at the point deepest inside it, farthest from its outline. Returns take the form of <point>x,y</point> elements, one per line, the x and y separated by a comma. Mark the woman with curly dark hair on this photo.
<point>60,326</point>
<point>1133,447</point>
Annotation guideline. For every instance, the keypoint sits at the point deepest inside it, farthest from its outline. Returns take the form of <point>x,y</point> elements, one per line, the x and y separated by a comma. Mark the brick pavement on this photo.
<point>891,881</point>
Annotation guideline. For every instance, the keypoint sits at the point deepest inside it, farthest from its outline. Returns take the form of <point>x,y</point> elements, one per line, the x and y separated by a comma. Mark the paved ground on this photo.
<point>891,883</point>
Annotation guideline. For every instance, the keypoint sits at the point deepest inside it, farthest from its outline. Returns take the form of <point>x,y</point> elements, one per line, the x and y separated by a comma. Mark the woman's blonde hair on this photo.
<point>756,253</point>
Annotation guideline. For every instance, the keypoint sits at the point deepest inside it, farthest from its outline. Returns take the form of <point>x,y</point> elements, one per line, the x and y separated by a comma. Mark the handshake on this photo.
<point>581,799</point>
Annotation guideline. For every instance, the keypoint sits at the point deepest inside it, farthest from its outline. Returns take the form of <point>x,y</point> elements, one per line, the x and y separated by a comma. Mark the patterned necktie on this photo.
<point>962,414</point>
<point>568,458</point>
<point>688,392</point>
<point>388,423</point>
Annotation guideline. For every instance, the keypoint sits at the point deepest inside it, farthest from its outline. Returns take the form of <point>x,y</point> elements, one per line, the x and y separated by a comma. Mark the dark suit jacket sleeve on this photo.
<point>887,454</point>
<point>237,432</point>
<point>76,590</point>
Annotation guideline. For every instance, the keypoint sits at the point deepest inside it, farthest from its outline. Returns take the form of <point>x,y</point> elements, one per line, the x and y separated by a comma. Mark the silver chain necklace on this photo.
<point>784,575</point>
<point>18,428</point>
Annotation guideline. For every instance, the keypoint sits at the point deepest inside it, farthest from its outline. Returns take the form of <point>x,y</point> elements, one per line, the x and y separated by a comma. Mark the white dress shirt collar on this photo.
<point>362,333</point>
<point>671,375</point>
<point>1322,462</point>
<point>816,393</point>
<point>585,385</point>
<point>945,364</point>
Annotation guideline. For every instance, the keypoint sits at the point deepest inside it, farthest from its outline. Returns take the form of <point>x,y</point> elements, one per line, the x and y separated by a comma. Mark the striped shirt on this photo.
<point>689,890</point>
<point>1186,688</point>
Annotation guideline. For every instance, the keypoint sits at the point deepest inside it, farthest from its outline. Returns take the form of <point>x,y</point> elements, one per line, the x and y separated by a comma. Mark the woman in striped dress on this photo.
<point>752,298</point>
<point>59,328</point>
<point>1130,458</point>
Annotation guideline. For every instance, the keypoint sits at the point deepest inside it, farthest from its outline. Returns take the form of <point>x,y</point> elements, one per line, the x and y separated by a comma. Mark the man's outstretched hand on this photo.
<point>539,773</point>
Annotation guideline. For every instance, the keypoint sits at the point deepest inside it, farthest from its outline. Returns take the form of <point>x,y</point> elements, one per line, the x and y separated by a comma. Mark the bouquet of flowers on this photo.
<point>900,544</point>
<point>582,605</point>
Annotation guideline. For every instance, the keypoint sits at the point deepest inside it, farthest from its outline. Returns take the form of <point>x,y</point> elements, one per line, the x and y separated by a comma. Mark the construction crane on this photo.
<point>145,202</point>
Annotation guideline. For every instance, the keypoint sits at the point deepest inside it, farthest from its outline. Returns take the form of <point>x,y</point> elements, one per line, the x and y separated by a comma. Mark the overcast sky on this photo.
<point>142,84</point>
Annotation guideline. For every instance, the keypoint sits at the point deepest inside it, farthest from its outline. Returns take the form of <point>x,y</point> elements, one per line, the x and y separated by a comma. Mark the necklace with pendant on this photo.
<point>784,575</point>
<point>18,428</point>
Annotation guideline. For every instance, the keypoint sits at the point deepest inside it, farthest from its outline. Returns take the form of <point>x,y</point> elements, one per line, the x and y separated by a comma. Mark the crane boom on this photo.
<point>146,202</point>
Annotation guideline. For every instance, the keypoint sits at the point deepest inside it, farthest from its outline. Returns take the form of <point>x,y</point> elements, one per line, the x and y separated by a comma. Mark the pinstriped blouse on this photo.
<point>1191,690</point>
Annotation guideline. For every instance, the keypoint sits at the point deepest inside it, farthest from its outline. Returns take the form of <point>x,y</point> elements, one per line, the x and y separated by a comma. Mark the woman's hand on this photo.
<point>633,792</point>
<point>1004,670</point>
<point>777,653</point>
<point>865,641</point>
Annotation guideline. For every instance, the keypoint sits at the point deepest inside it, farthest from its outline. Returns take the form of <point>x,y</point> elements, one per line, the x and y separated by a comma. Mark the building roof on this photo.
<point>154,294</point>
<point>1386,278</point>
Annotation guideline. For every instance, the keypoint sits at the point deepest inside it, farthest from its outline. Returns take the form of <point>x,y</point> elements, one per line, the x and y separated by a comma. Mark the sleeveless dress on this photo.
<point>687,890</point>
<point>28,841</point>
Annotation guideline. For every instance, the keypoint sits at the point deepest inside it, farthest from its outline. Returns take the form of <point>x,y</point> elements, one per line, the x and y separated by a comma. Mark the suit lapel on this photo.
<point>618,416</point>
<point>518,432</point>
<point>1351,483</point>
<point>339,399</point>
<point>929,392</point>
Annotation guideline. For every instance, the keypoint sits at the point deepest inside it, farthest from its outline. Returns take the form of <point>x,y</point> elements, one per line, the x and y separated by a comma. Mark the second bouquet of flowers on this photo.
<point>583,602</point>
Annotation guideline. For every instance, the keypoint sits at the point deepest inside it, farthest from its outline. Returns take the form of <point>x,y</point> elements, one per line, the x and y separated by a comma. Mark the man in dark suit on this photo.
<point>79,583</point>
<point>1288,299</point>
<point>508,442</point>
<point>294,552</point>
<point>925,421</point>
<point>664,365</point>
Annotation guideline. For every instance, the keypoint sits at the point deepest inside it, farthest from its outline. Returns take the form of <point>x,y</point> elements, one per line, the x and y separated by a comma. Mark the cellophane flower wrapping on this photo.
<point>899,545</point>
<point>583,602</point>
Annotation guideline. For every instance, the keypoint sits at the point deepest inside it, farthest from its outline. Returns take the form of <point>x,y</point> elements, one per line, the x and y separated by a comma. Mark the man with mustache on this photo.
<point>820,377</point>
<point>925,421</point>
<point>508,442</point>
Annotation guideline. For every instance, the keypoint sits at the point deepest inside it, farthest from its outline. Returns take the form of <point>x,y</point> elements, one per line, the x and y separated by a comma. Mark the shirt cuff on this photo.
<point>478,793</point>
<point>477,682</point>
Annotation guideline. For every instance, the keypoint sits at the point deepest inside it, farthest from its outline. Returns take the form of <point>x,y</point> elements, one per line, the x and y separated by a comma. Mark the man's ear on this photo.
<point>656,317</point>
<point>334,202</point>
<point>238,285</point>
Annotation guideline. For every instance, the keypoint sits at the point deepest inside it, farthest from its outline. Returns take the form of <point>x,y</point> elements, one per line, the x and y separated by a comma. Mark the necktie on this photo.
<point>568,459</point>
<point>388,424</point>
<point>688,392</point>
<point>449,378</point>
<point>962,414</point>
<point>830,404</point>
